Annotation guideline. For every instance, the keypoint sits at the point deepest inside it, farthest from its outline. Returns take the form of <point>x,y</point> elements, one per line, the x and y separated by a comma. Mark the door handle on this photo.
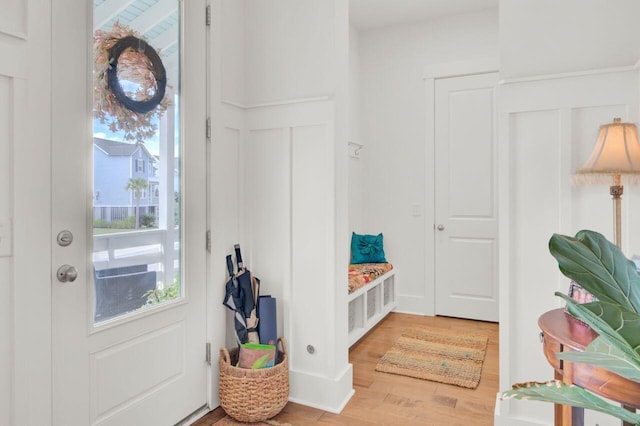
<point>440,227</point>
<point>67,273</point>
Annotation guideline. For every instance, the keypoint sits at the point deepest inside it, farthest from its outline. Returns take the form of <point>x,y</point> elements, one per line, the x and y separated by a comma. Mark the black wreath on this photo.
<point>158,71</point>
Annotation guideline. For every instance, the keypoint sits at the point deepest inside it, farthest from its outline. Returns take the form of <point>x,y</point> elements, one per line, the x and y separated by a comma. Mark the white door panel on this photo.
<point>141,365</point>
<point>465,198</point>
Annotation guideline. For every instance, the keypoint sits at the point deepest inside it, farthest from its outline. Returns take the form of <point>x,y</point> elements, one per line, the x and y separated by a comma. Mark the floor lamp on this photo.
<point>616,155</point>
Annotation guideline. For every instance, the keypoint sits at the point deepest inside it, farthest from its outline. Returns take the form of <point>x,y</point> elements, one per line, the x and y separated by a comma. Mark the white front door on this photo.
<point>466,227</point>
<point>129,217</point>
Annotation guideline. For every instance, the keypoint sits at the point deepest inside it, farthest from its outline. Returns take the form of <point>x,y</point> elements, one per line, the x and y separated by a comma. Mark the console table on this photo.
<point>561,332</point>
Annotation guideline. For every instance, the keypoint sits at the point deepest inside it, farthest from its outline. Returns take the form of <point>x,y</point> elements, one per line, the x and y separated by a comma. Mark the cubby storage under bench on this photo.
<point>372,295</point>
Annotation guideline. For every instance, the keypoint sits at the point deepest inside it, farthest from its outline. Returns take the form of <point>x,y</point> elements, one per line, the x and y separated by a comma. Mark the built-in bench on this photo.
<point>371,301</point>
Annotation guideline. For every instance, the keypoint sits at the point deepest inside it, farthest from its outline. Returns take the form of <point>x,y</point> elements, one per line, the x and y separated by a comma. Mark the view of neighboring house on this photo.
<point>115,163</point>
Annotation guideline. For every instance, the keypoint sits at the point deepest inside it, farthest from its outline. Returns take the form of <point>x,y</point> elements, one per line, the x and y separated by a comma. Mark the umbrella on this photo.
<point>233,301</point>
<point>241,294</point>
<point>249,287</point>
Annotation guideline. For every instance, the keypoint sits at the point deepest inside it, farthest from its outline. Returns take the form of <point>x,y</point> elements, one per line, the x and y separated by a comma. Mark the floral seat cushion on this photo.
<point>362,274</point>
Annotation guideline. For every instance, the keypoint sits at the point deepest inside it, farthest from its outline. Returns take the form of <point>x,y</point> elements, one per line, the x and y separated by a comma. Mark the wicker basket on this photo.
<point>253,395</point>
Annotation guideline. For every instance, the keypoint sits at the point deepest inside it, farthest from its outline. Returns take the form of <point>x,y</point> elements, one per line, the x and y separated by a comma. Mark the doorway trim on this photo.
<point>432,73</point>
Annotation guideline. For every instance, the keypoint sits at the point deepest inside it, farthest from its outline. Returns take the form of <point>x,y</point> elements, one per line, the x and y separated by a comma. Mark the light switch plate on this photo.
<point>6,240</point>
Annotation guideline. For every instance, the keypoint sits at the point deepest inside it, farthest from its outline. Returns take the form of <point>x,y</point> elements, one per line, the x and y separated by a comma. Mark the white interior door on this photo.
<point>466,227</point>
<point>129,332</point>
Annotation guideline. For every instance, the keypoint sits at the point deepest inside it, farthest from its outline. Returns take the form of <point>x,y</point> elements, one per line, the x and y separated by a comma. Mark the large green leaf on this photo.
<point>614,324</point>
<point>560,393</point>
<point>598,266</point>
<point>602,269</point>
<point>601,353</point>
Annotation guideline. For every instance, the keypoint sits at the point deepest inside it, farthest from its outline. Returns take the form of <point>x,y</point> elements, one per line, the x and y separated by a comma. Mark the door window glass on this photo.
<point>136,157</point>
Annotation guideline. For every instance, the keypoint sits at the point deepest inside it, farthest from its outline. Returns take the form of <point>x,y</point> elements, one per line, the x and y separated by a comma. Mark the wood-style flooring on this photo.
<point>389,399</point>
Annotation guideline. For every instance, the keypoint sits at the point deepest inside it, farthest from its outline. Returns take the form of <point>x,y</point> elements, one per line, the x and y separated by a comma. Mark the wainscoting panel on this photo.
<point>226,181</point>
<point>312,222</point>
<point>289,215</point>
<point>548,127</point>
<point>534,139</point>
<point>266,210</point>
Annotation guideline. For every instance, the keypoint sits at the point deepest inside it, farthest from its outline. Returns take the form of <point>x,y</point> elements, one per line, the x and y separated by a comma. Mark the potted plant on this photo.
<point>601,268</point>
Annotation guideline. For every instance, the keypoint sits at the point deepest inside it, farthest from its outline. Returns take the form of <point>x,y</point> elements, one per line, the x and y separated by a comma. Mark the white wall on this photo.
<point>548,37</point>
<point>288,52</point>
<point>354,84</point>
<point>290,121</point>
<point>230,80</point>
<point>393,129</point>
<point>356,163</point>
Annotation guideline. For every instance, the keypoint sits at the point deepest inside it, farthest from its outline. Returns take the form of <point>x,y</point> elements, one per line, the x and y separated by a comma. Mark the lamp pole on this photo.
<point>616,193</point>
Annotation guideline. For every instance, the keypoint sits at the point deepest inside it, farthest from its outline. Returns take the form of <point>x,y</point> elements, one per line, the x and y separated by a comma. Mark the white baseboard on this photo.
<point>195,416</point>
<point>509,421</point>
<point>500,419</point>
<point>416,305</point>
<point>324,393</point>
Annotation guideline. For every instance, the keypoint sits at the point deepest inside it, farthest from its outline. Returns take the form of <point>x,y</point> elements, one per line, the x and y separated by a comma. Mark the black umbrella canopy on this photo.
<point>246,293</point>
<point>233,301</point>
<point>249,287</point>
<point>241,294</point>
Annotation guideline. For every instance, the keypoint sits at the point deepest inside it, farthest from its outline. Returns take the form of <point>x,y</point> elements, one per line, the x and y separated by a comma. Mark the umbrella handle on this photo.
<point>224,354</point>
<point>284,347</point>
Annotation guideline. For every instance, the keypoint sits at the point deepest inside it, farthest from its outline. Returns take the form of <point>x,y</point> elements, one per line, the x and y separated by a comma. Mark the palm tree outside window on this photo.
<point>137,185</point>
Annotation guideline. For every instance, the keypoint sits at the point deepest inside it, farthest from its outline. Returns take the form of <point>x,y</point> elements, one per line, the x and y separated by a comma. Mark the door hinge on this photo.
<point>208,243</point>
<point>208,353</point>
<point>208,16</point>
<point>208,130</point>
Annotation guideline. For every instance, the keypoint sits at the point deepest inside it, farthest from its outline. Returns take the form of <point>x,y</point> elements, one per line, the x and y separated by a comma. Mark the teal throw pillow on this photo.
<point>367,249</point>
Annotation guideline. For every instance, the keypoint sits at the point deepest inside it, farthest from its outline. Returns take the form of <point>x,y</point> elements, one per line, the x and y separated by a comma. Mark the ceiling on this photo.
<point>368,14</point>
<point>158,22</point>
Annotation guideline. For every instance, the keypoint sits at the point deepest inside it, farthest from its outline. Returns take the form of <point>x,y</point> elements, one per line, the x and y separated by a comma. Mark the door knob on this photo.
<point>440,227</point>
<point>67,273</point>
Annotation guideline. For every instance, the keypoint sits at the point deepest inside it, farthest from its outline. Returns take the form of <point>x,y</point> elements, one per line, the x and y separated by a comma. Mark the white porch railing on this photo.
<point>122,213</point>
<point>113,213</point>
<point>147,247</point>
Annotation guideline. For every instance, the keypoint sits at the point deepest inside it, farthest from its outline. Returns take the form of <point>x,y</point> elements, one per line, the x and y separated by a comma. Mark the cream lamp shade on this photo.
<point>616,156</point>
<point>617,152</point>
